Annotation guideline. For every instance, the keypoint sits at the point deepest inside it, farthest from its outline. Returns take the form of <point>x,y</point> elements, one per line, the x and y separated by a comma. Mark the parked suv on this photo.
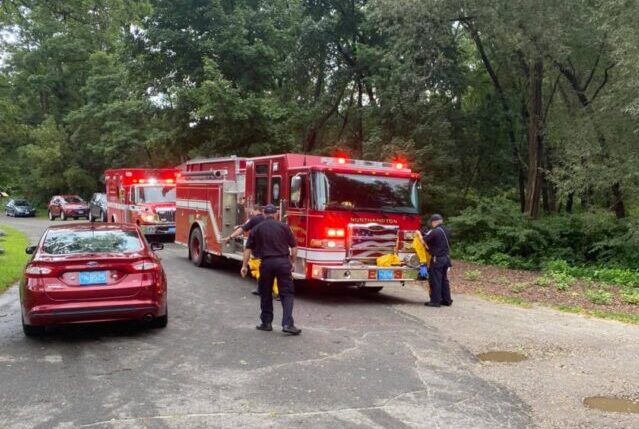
<point>98,207</point>
<point>19,207</point>
<point>68,206</point>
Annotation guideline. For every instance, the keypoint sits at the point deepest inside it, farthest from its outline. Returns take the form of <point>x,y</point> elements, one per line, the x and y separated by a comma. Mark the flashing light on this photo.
<point>341,160</point>
<point>142,181</point>
<point>331,244</point>
<point>169,180</point>
<point>153,181</point>
<point>399,165</point>
<point>178,175</point>
<point>135,180</point>
<point>335,232</point>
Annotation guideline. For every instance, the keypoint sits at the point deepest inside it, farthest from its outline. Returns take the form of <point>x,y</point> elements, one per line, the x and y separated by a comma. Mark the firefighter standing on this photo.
<point>437,240</point>
<point>274,242</point>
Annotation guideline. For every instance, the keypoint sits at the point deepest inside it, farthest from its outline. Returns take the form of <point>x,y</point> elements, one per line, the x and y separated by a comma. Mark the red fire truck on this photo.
<point>141,196</point>
<point>344,213</point>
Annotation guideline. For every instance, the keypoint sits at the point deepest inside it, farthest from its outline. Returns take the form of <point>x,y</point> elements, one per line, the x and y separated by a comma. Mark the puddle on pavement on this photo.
<point>616,405</point>
<point>499,356</point>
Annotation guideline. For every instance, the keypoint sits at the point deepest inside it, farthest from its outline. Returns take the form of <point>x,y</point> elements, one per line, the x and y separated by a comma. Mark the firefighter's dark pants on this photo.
<point>438,279</point>
<point>276,268</point>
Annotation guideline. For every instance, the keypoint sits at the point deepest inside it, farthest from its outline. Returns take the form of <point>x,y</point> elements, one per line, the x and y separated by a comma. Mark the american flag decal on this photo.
<point>369,241</point>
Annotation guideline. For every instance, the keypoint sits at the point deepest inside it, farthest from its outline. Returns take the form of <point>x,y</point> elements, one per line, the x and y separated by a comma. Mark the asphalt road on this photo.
<point>361,362</point>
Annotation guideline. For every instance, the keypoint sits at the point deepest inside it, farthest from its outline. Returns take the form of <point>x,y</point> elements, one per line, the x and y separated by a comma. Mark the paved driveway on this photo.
<point>359,363</point>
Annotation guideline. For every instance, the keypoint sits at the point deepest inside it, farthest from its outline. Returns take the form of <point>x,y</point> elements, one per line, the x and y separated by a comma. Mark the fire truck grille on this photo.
<point>166,215</point>
<point>367,242</point>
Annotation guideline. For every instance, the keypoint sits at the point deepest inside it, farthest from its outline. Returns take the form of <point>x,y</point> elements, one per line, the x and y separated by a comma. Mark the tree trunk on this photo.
<point>617,201</point>
<point>535,140</point>
<point>521,175</point>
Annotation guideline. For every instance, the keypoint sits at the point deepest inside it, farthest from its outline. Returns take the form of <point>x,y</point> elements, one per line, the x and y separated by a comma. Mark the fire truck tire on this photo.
<point>196,248</point>
<point>62,215</point>
<point>51,217</point>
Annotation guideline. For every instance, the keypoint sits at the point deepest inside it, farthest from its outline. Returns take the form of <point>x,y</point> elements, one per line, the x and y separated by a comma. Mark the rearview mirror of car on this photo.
<point>30,250</point>
<point>157,246</point>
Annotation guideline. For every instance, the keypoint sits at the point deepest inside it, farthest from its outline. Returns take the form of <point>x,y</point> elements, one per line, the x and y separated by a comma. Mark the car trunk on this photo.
<point>93,277</point>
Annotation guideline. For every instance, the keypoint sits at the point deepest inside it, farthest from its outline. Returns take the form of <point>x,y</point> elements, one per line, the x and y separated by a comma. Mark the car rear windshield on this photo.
<point>74,200</point>
<point>72,242</point>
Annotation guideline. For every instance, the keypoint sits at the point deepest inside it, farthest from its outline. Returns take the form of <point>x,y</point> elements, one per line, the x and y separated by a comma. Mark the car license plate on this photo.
<point>385,275</point>
<point>93,278</point>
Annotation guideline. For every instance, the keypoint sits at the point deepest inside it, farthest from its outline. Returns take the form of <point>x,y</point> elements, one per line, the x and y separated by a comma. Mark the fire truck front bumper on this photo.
<point>158,229</point>
<point>363,273</point>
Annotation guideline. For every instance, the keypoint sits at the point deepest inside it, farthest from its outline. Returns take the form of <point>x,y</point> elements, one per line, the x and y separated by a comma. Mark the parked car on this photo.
<point>84,272</point>
<point>19,207</point>
<point>98,207</point>
<point>68,206</point>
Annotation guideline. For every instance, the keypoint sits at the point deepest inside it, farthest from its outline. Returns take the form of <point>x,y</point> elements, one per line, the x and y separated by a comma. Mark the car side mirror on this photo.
<point>157,246</point>
<point>30,250</point>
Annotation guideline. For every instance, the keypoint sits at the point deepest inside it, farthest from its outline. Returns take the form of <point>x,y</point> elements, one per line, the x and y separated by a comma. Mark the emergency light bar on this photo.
<point>364,163</point>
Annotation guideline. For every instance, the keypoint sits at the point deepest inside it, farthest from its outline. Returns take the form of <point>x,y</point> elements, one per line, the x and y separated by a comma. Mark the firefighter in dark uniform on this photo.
<point>438,241</point>
<point>254,220</point>
<point>274,242</point>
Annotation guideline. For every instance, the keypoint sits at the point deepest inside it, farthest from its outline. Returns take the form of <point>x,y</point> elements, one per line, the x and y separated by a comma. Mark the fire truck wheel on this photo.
<point>196,248</point>
<point>62,215</point>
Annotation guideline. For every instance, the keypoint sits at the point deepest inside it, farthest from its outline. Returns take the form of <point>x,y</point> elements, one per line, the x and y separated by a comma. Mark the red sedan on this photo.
<point>67,206</point>
<point>92,273</point>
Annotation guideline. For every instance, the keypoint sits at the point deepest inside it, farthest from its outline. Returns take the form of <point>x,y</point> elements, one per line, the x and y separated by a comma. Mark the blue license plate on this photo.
<point>385,275</point>
<point>93,278</point>
<point>171,230</point>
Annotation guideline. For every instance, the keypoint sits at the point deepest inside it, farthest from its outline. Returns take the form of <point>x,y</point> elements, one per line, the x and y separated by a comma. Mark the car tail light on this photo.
<point>35,270</point>
<point>146,266</point>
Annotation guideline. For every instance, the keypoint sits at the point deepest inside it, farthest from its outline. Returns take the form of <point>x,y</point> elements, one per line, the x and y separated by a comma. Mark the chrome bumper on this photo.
<point>364,274</point>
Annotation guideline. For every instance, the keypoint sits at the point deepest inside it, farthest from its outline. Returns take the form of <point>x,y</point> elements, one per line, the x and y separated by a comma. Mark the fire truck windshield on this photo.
<point>345,191</point>
<point>154,194</point>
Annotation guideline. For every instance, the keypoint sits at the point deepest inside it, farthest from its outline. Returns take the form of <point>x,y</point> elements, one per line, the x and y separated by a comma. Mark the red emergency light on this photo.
<point>341,160</point>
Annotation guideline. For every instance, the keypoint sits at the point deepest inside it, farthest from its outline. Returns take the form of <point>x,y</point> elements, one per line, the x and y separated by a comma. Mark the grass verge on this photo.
<point>13,260</point>
<point>601,314</point>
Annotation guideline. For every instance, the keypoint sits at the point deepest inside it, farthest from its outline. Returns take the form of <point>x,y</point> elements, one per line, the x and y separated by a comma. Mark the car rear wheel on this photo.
<point>90,217</point>
<point>196,248</point>
<point>32,331</point>
<point>51,217</point>
<point>62,215</point>
<point>162,321</point>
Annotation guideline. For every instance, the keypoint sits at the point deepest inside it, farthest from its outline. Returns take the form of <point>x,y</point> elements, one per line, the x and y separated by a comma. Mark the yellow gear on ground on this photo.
<point>388,261</point>
<point>254,265</point>
<point>422,251</point>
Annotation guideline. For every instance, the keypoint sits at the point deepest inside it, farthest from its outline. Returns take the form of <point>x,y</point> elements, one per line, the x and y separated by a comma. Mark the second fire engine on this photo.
<point>144,197</point>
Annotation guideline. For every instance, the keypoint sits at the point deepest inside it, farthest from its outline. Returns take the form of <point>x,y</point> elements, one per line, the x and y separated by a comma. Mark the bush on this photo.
<point>630,297</point>
<point>493,231</point>
<point>600,297</point>
<point>472,275</point>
